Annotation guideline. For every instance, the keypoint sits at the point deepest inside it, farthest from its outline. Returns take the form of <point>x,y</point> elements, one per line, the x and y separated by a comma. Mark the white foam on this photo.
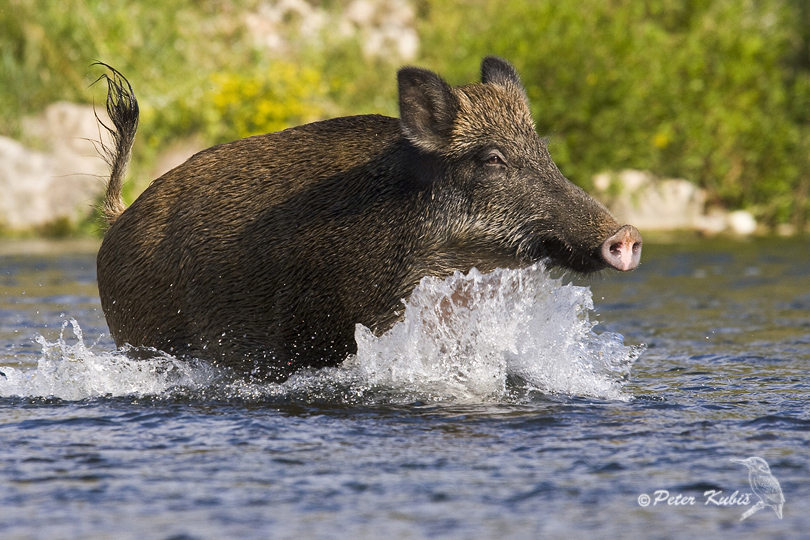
<point>75,372</point>
<point>468,338</point>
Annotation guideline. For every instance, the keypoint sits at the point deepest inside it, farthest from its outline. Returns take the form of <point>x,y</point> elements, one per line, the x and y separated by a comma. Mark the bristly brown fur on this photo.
<point>122,108</point>
<point>263,254</point>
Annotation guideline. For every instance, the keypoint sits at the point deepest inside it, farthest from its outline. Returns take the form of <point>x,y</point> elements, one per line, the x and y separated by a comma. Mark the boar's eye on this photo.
<point>495,158</point>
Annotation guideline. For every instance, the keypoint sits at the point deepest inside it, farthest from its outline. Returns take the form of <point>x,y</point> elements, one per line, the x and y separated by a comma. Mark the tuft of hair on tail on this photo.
<point>122,108</point>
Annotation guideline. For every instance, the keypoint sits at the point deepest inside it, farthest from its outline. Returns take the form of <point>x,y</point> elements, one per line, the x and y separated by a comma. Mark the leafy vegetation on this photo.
<point>701,89</point>
<point>715,91</point>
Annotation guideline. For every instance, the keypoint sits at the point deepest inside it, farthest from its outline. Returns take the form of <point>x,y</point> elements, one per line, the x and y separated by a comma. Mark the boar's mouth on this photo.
<point>620,251</point>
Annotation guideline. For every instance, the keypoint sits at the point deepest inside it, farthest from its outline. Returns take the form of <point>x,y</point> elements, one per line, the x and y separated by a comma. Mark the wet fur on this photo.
<point>263,254</point>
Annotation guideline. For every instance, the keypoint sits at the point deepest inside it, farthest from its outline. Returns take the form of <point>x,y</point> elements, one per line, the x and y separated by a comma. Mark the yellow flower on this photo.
<point>661,140</point>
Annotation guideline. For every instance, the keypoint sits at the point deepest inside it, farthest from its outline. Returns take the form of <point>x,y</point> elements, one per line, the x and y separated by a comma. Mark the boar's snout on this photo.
<point>622,250</point>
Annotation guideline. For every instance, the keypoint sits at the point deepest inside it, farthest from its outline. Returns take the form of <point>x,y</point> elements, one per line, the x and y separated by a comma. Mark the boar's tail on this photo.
<point>122,108</point>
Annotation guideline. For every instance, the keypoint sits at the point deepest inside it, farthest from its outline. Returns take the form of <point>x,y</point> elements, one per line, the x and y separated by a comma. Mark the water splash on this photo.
<point>74,372</point>
<point>481,336</point>
<point>502,336</point>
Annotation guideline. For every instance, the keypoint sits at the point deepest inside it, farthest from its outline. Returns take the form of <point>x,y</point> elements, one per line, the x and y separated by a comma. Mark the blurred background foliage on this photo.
<point>714,91</point>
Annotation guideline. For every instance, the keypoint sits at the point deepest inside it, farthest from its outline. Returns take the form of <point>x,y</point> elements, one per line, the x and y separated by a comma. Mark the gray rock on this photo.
<point>662,204</point>
<point>60,181</point>
<point>384,28</point>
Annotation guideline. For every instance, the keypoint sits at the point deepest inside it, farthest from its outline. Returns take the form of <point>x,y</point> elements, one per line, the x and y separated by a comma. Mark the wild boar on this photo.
<point>262,254</point>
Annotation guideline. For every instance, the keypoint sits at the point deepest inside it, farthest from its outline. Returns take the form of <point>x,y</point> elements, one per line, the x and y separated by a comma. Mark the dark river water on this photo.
<point>497,408</point>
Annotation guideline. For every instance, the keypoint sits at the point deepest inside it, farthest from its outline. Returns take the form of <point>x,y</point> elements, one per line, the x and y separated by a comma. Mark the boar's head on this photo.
<point>498,197</point>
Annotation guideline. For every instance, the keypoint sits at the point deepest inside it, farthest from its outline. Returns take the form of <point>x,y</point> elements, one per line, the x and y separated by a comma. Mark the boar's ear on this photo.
<point>498,71</point>
<point>427,108</point>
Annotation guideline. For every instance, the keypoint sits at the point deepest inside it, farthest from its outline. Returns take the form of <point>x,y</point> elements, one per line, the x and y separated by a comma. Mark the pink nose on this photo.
<point>622,250</point>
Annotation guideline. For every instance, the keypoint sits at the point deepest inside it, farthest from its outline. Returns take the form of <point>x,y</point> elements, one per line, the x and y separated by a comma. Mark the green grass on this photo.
<point>714,91</point>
